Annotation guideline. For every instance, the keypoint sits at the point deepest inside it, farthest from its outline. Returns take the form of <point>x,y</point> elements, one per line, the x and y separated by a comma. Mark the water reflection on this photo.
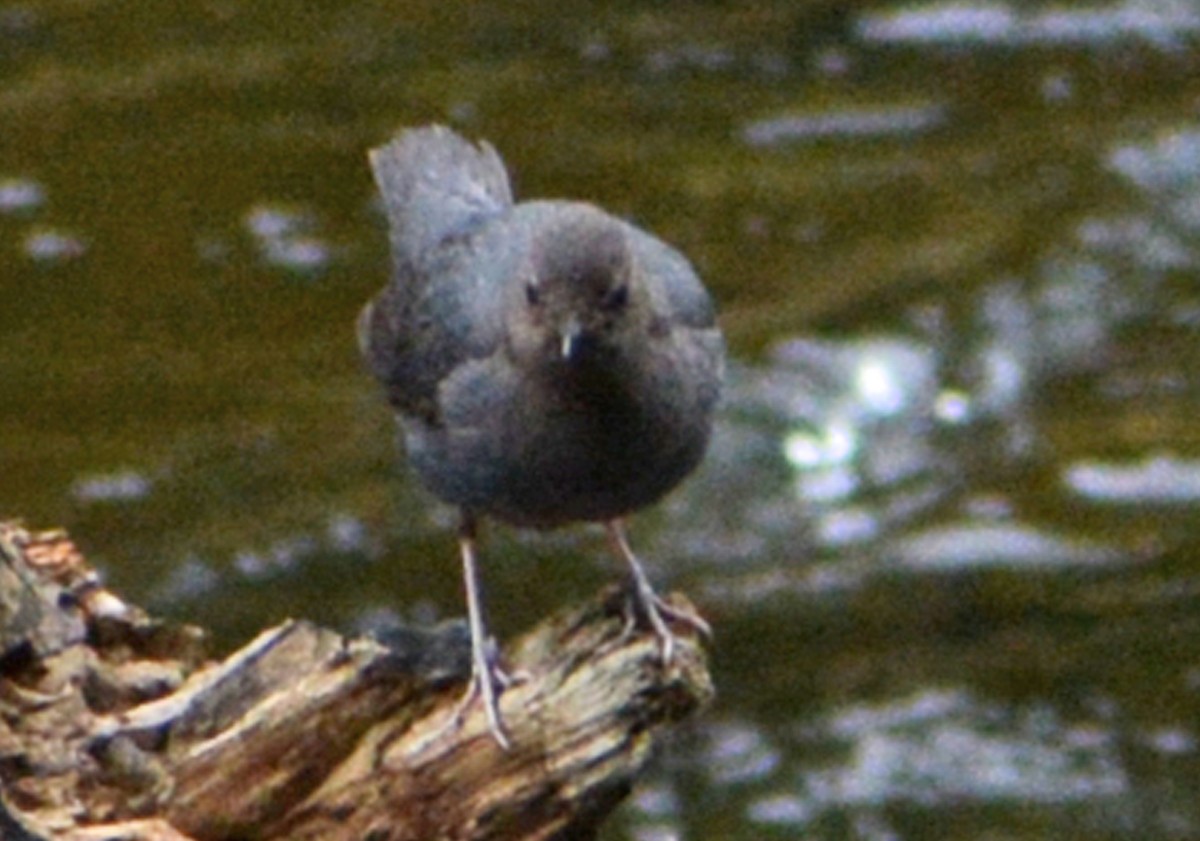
<point>975,541</point>
<point>922,455</point>
<point>1164,24</point>
<point>284,238</point>
<point>845,125</point>
<point>946,531</point>
<point>20,195</point>
<point>884,764</point>
<point>1156,480</point>
<point>123,486</point>
<point>947,746</point>
<point>50,245</point>
<point>40,241</point>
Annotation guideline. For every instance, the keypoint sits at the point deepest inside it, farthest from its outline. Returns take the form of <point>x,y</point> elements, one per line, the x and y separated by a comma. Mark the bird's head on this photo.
<point>579,297</point>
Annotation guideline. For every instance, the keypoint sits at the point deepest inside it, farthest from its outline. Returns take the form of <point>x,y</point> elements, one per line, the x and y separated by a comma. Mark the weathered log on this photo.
<point>113,725</point>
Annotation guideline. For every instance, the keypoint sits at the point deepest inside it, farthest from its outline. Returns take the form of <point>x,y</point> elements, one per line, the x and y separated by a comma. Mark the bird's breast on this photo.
<point>565,445</point>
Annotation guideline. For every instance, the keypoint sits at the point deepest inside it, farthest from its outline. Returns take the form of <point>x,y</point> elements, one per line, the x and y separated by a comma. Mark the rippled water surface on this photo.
<point>946,532</point>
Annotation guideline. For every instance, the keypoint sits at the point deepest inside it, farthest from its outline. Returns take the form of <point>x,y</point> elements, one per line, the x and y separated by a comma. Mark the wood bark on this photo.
<point>116,725</point>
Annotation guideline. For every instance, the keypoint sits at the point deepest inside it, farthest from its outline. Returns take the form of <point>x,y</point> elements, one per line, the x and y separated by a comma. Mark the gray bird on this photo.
<point>548,363</point>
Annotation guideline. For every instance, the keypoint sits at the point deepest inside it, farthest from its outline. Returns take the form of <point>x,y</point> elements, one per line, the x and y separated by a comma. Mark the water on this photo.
<point>945,533</point>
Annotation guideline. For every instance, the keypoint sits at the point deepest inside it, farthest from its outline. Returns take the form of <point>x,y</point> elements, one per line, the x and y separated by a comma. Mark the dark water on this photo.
<point>947,529</point>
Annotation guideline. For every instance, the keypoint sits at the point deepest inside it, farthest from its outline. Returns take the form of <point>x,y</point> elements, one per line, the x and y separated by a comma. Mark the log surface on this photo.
<point>114,724</point>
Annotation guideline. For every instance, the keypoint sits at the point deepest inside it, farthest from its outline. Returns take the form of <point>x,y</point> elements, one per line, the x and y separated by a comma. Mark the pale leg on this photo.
<point>646,603</point>
<point>488,680</point>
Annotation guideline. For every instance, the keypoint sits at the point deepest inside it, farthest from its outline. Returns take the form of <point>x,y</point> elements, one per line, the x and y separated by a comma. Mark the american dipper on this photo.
<point>548,363</point>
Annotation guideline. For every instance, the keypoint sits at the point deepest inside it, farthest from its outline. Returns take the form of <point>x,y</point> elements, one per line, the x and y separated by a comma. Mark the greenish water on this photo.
<point>947,530</point>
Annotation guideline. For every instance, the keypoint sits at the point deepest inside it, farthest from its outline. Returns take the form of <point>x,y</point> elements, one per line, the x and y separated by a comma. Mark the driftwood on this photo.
<point>113,725</point>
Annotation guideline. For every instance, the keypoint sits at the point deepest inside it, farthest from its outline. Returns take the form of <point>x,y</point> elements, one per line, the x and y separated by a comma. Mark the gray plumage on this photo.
<point>496,419</point>
<point>548,363</point>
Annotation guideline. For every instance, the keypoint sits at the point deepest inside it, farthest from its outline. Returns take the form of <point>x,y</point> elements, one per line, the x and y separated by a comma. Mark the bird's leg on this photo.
<point>647,605</point>
<point>488,680</point>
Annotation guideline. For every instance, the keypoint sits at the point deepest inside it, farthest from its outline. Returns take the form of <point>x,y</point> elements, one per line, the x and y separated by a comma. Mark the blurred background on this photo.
<point>947,531</point>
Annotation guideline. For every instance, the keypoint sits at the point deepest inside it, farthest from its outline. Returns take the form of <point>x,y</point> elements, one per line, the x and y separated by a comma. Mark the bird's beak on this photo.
<point>570,335</point>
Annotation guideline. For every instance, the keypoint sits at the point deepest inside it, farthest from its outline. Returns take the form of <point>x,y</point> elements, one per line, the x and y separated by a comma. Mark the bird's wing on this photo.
<point>440,314</point>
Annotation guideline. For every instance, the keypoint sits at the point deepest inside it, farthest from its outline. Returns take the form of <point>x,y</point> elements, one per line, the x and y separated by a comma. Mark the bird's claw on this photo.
<point>647,606</point>
<point>488,681</point>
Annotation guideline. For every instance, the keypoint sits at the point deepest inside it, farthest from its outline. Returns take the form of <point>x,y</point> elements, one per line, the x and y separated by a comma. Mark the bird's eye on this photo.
<point>531,294</point>
<point>615,298</point>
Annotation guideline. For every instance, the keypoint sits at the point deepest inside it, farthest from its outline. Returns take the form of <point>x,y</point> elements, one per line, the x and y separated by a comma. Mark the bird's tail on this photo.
<point>435,185</point>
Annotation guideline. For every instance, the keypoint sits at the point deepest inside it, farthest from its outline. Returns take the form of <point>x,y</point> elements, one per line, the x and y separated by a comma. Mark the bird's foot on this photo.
<point>645,607</point>
<point>488,682</point>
